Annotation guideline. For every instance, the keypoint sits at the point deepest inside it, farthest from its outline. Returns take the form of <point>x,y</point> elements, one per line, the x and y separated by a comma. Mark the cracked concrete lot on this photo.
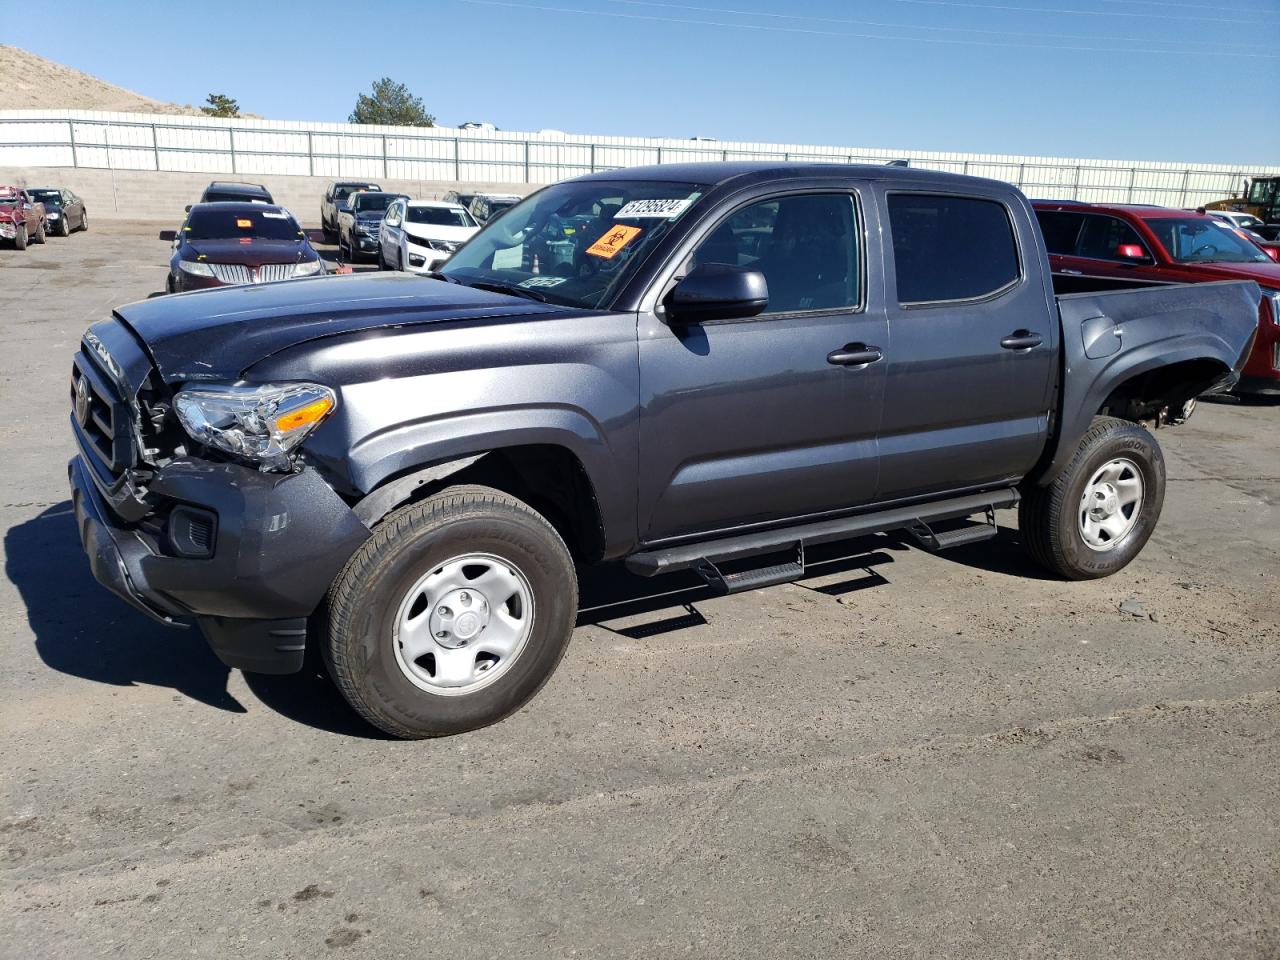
<point>905,755</point>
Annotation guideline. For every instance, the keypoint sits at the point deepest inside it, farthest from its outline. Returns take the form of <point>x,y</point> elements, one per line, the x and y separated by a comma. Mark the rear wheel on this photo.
<point>39,236</point>
<point>452,616</point>
<point>1101,510</point>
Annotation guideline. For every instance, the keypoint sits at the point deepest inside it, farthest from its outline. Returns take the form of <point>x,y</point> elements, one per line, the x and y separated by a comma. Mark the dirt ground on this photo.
<point>905,755</point>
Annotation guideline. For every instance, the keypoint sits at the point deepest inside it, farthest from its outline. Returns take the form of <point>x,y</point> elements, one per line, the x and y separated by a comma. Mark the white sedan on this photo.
<point>420,235</point>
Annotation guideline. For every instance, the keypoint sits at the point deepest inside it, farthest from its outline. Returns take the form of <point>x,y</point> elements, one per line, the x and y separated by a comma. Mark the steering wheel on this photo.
<point>1208,249</point>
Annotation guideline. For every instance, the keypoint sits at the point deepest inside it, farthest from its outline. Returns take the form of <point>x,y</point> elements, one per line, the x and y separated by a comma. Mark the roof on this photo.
<point>1139,211</point>
<point>238,206</point>
<point>445,204</point>
<point>718,173</point>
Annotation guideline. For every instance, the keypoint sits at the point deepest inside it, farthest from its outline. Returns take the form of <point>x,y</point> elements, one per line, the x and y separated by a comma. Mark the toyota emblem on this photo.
<point>82,401</point>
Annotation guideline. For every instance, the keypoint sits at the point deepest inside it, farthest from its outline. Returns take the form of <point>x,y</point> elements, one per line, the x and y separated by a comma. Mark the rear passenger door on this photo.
<point>1085,252</point>
<point>972,343</point>
<point>766,418</point>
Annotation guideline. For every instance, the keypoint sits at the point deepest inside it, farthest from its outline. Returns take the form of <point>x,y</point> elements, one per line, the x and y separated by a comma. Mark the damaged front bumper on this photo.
<point>247,555</point>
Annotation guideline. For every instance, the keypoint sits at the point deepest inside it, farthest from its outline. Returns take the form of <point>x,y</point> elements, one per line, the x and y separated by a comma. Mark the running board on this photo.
<point>650,563</point>
<point>930,539</point>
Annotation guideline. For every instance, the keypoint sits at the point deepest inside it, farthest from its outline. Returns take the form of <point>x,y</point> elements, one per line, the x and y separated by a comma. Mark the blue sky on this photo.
<point>1117,79</point>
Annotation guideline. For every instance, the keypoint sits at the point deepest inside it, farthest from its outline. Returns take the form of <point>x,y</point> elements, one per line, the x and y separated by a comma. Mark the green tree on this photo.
<point>392,105</point>
<point>220,105</point>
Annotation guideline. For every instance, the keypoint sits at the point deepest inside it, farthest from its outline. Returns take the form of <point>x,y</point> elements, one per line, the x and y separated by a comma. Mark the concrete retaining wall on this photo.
<point>161,196</point>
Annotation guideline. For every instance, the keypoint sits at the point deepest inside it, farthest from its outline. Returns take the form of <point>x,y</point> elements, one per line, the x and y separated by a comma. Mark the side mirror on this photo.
<point>188,208</point>
<point>718,291</point>
<point>1273,253</point>
<point>1131,251</point>
<point>169,235</point>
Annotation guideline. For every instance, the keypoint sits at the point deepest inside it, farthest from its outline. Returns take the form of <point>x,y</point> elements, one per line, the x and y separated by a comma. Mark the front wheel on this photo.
<point>1101,510</point>
<point>84,220</point>
<point>452,615</point>
<point>64,228</point>
<point>20,238</point>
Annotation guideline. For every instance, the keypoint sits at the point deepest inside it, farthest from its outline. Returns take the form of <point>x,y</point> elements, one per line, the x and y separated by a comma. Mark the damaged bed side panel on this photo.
<point>1110,338</point>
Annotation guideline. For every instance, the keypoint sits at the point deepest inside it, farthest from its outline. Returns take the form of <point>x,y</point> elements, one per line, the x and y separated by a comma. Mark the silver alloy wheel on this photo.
<point>1111,503</point>
<point>463,625</point>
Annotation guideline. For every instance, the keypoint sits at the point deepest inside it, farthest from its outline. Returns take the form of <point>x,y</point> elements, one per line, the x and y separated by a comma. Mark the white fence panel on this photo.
<point>337,150</point>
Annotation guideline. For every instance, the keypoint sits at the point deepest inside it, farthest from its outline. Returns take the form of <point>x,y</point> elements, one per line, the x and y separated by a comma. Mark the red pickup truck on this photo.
<point>1110,247</point>
<point>21,219</point>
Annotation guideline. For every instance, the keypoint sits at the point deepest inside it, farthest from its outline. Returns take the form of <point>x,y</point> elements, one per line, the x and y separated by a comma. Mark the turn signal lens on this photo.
<point>312,413</point>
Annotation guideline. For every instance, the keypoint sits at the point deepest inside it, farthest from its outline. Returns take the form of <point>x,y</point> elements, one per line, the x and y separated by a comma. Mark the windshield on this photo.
<point>265,224</point>
<point>344,190</point>
<point>574,243</point>
<point>1263,191</point>
<point>1248,222</point>
<point>1201,240</point>
<point>440,216</point>
<point>45,196</point>
<point>373,202</point>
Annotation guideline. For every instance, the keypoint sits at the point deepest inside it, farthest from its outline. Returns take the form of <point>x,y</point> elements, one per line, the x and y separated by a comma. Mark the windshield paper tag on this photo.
<point>611,244</point>
<point>543,281</point>
<point>509,258</point>
<point>653,209</point>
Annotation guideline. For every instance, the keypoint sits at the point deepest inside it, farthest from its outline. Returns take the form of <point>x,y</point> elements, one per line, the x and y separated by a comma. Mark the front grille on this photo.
<point>239,273</point>
<point>102,412</point>
<point>230,272</point>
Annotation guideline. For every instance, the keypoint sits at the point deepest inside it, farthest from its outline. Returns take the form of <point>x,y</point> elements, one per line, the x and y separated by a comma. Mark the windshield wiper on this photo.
<point>498,287</point>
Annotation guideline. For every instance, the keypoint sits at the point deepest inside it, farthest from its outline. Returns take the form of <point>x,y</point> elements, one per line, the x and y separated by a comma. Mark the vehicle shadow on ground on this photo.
<point>84,631</point>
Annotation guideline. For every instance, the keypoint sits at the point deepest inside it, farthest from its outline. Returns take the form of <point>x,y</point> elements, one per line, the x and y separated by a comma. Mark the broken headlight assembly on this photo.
<point>261,423</point>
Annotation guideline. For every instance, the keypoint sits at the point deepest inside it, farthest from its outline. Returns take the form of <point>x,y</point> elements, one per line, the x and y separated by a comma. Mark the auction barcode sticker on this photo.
<point>653,209</point>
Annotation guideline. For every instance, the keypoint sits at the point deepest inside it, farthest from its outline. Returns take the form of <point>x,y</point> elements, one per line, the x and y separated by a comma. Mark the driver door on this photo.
<point>755,420</point>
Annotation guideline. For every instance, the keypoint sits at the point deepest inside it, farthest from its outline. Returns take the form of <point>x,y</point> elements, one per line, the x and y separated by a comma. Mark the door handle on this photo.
<point>854,355</point>
<point>1021,340</point>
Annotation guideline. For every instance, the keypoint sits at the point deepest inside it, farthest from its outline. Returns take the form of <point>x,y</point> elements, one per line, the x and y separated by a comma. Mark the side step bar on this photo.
<point>702,556</point>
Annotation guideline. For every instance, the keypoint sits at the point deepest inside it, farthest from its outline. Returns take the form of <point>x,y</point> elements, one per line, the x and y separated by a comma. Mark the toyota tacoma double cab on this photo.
<point>685,367</point>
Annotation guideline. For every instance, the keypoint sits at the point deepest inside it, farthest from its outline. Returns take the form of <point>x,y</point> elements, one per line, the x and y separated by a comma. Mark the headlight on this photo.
<point>195,268</point>
<point>263,423</point>
<point>52,215</point>
<point>306,268</point>
<point>444,246</point>
<point>366,227</point>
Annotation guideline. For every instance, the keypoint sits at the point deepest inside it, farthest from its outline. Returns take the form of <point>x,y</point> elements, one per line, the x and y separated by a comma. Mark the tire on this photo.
<point>20,238</point>
<point>63,229</point>
<point>402,575</point>
<point>1060,528</point>
<point>84,220</point>
<point>329,234</point>
<point>382,263</point>
<point>39,235</point>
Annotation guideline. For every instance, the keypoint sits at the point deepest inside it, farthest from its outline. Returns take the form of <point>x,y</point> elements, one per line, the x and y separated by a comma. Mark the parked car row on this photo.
<point>28,215</point>
<point>401,233</point>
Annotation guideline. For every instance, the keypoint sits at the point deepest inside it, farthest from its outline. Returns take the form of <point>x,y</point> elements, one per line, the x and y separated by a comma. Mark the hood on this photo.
<point>218,334</point>
<point>9,211</point>
<point>431,231</point>
<point>1264,274</point>
<point>253,254</point>
<point>374,215</point>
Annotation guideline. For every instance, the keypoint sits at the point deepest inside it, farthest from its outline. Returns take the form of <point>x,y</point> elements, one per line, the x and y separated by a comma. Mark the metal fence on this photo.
<point>251,147</point>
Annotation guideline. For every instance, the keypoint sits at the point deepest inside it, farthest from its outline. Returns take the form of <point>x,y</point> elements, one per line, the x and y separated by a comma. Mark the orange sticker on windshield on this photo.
<point>611,244</point>
<point>244,223</point>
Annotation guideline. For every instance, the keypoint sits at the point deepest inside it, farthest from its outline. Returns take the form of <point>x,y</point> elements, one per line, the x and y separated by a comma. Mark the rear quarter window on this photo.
<point>951,248</point>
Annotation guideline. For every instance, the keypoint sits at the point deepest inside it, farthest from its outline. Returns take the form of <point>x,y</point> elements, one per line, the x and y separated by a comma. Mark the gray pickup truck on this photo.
<point>685,367</point>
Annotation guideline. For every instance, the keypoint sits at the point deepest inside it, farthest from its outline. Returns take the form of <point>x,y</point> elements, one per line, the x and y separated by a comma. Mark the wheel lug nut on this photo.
<point>464,597</point>
<point>442,634</point>
<point>445,612</point>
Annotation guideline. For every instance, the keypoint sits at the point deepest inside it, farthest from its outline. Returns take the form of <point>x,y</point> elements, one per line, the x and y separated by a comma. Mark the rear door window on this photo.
<point>1061,231</point>
<point>951,248</point>
<point>807,246</point>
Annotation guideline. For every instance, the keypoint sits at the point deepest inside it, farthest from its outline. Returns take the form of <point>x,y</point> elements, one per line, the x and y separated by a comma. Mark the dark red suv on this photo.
<point>1102,247</point>
<point>22,219</point>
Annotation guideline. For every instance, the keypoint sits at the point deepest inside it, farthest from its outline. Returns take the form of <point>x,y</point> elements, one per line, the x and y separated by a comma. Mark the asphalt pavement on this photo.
<point>905,755</point>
